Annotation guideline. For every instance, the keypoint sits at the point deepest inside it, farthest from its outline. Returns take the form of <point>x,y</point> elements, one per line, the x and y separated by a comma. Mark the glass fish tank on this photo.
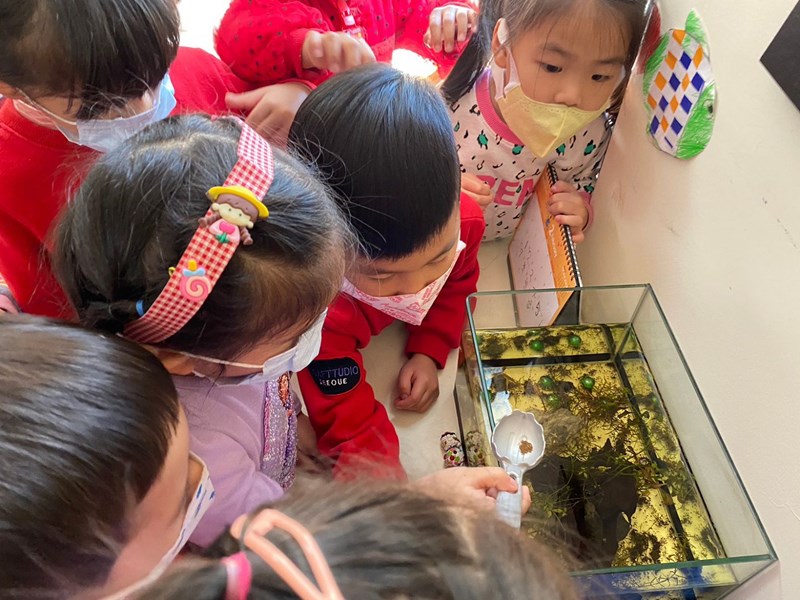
<point>636,490</point>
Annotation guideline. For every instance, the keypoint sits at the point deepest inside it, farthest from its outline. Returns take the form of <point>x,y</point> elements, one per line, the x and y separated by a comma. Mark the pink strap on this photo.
<point>209,251</point>
<point>240,576</point>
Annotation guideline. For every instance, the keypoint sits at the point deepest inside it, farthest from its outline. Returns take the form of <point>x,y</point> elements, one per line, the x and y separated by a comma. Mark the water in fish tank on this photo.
<point>613,489</point>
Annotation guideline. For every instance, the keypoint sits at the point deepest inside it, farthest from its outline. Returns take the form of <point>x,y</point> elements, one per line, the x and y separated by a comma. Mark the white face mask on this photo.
<point>542,127</point>
<point>409,308</point>
<point>293,360</point>
<point>202,499</point>
<point>105,134</point>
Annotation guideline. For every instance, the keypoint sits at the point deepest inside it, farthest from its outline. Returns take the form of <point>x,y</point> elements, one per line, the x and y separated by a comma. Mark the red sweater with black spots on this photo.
<point>40,169</point>
<point>262,40</point>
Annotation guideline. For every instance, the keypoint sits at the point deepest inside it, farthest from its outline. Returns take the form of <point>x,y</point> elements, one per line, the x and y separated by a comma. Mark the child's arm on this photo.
<point>26,268</point>
<point>441,330</point>
<point>421,21</point>
<point>351,425</point>
<point>262,40</point>
<point>239,487</point>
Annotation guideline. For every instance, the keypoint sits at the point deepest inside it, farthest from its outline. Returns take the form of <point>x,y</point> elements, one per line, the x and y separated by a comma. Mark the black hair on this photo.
<point>523,15</point>
<point>99,52</point>
<point>384,141</point>
<point>385,541</point>
<point>138,208</point>
<point>86,423</point>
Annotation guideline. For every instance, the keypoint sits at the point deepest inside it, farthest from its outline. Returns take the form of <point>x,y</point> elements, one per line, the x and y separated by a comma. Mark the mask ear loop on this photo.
<point>253,538</point>
<point>33,105</point>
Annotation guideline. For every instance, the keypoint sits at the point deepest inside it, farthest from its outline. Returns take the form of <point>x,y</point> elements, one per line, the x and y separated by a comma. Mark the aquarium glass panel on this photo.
<point>636,490</point>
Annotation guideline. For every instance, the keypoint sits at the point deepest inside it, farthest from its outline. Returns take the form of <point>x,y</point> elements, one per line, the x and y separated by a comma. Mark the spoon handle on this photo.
<point>509,506</point>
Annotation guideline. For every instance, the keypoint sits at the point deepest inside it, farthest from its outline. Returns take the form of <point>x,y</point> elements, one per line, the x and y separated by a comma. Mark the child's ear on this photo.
<point>174,362</point>
<point>499,49</point>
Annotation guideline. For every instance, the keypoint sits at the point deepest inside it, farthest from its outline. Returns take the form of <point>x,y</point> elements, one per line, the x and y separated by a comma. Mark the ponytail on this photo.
<point>476,54</point>
<point>383,540</point>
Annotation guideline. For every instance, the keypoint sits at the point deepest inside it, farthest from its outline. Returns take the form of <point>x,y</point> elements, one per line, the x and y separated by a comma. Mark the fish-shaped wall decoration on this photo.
<point>680,91</point>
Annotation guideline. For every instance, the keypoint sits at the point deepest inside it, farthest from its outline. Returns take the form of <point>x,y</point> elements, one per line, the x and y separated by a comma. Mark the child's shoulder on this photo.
<point>346,315</point>
<point>351,321</point>
<point>188,59</point>
<point>466,107</point>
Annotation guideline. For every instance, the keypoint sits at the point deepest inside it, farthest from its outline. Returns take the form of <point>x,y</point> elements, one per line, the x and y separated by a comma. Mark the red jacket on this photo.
<point>349,422</point>
<point>40,168</point>
<point>262,40</point>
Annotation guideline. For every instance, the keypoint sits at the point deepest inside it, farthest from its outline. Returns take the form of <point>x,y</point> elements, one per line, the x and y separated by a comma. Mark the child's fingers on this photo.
<point>422,396</point>
<point>333,53</point>
<point>367,55</point>
<point>449,28</point>
<point>356,52</point>
<point>562,187</point>
<point>414,400</point>
<point>404,384</point>
<point>275,129</point>
<point>351,55</point>
<point>411,401</point>
<point>491,480</point>
<point>313,51</point>
<point>315,47</point>
<point>557,206</point>
<point>473,183</point>
<point>526,499</point>
<point>575,224</point>
<point>570,221</point>
<point>245,101</point>
<point>431,387</point>
<point>568,205</point>
<point>477,189</point>
<point>462,24</point>
<point>259,115</point>
<point>435,31</point>
<point>472,17</point>
<point>428,398</point>
<point>504,483</point>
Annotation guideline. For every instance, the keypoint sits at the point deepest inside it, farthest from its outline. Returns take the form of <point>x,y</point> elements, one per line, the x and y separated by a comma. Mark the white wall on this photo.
<point>719,239</point>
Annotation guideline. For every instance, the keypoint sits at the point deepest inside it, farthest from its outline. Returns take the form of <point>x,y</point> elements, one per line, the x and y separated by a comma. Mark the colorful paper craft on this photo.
<point>680,92</point>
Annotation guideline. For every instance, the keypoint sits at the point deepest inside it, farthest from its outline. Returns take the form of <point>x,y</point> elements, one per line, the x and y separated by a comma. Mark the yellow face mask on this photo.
<point>542,127</point>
